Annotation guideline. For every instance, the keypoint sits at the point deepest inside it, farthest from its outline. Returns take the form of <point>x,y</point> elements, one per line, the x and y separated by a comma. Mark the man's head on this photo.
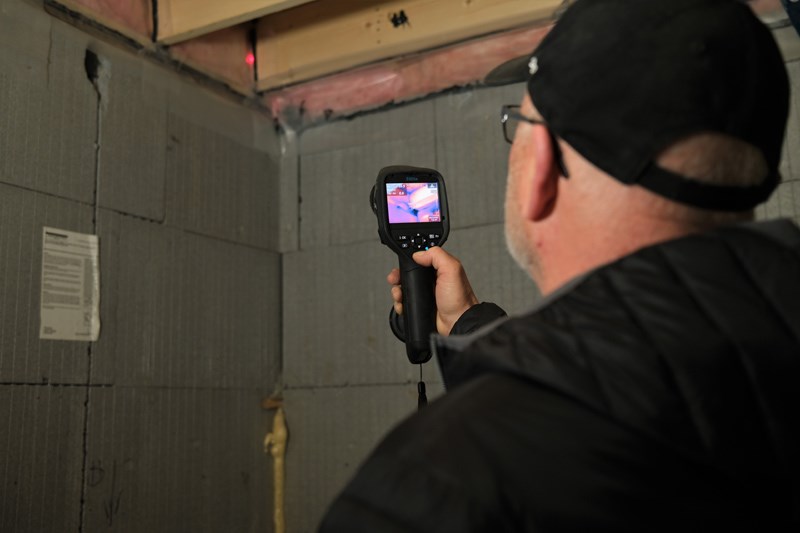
<point>683,103</point>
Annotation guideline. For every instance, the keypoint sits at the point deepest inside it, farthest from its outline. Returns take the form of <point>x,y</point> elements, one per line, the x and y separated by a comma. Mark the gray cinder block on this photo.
<point>335,188</point>
<point>331,432</point>
<point>41,453</point>
<point>176,459</point>
<point>133,140</point>
<point>408,121</point>
<point>48,116</point>
<point>336,328</point>
<point>185,310</point>
<point>23,357</point>
<point>220,188</point>
<point>492,272</point>
<point>471,153</point>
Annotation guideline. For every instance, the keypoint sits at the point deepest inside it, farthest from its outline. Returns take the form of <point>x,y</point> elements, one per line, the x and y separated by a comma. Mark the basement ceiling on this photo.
<point>286,53</point>
<point>293,41</point>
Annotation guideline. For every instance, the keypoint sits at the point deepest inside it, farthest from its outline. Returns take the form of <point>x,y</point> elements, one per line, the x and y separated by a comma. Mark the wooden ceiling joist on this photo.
<point>180,20</point>
<point>324,37</point>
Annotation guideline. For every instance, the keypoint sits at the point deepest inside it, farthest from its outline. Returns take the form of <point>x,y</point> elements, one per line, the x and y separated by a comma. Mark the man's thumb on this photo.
<point>423,258</point>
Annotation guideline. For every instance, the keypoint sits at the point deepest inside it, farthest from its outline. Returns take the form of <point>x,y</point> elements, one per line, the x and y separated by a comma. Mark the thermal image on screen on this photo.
<point>413,202</point>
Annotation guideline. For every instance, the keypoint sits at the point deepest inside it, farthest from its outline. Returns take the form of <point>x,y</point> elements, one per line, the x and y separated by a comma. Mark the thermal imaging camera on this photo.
<point>411,206</point>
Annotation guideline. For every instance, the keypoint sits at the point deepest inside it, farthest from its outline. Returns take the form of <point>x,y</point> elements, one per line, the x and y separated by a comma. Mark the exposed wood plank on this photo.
<point>180,20</point>
<point>331,36</point>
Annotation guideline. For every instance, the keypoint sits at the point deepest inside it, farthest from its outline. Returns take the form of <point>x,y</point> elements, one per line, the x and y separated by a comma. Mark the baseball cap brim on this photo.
<point>512,71</point>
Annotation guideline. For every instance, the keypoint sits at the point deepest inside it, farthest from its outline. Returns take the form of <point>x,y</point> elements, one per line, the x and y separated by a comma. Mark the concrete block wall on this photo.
<point>158,426</point>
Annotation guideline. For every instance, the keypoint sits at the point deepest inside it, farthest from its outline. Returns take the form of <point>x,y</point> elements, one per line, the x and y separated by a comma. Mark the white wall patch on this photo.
<point>70,303</point>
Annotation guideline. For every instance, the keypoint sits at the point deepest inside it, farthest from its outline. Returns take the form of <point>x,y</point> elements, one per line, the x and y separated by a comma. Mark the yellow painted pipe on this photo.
<point>275,445</point>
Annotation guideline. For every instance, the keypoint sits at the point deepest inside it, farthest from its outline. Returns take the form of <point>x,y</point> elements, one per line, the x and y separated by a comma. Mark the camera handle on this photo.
<point>419,309</point>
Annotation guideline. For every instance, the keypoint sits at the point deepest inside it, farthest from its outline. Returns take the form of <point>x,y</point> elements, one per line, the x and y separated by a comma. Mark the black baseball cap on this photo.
<point>621,80</point>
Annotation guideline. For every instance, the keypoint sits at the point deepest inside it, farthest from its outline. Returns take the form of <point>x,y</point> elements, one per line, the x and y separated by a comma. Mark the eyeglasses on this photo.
<point>510,117</point>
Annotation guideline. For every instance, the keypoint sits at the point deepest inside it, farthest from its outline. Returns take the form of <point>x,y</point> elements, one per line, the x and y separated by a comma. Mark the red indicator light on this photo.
<point>250,59</point>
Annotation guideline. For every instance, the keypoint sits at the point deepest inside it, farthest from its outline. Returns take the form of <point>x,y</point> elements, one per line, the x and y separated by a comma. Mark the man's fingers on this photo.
<point>454,295</point>
<point>397,293</point>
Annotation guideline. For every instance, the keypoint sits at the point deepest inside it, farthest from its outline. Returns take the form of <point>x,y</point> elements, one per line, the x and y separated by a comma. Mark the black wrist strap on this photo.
<point>422,396</point>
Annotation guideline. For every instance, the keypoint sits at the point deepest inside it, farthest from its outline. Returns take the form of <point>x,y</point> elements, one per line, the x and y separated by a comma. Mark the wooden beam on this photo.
<point>326,37</point>
<point>180,20</point>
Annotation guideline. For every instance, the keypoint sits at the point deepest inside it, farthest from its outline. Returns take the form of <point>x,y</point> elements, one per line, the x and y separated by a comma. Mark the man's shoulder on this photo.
<point>480,413</point>
<point>496,431</point>
<point>501,453</point>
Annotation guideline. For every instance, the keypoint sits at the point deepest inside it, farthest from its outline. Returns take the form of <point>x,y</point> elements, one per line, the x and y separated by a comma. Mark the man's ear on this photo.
<point>544,181</point>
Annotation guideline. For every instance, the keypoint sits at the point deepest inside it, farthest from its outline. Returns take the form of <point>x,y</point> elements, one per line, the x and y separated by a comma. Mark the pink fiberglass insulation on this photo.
<point>398,80</point>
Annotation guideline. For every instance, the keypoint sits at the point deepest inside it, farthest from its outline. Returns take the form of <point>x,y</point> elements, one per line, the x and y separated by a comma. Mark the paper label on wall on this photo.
<point>70,304</point>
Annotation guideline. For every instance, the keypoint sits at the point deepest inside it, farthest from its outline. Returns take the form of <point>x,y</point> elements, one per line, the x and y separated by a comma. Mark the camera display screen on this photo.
<point>413,202</point>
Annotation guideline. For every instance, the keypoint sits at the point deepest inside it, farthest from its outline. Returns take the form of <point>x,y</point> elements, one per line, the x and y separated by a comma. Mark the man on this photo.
<point>656,386</point>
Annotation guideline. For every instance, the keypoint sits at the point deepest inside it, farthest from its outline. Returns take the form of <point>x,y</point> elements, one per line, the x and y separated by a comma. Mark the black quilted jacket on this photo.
<point>657,393</point>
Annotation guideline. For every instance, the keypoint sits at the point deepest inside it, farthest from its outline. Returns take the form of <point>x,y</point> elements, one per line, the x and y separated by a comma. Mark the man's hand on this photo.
<point>454,294</point>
